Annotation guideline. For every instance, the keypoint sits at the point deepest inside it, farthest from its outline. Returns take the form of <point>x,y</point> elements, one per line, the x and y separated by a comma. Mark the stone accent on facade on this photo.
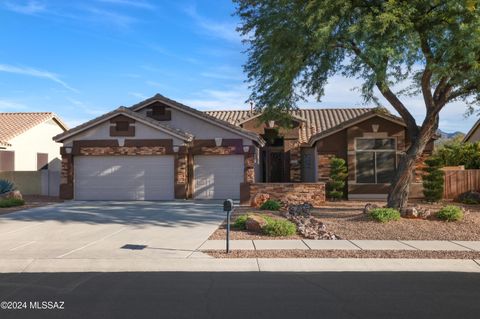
<point>249,163</point>
<point>123,151</point>
<point>66,176</point>
<point>288,193</point>
<point>324,166</point>
<point>221,150</point>
<point>295,165</point>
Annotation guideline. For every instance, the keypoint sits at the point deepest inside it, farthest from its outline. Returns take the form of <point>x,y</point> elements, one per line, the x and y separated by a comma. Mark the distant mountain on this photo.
<point>445,135</point>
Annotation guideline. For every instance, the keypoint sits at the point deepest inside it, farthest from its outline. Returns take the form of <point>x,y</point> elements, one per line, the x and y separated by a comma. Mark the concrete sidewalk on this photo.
<point>238,265</point>
<point>422,245</point>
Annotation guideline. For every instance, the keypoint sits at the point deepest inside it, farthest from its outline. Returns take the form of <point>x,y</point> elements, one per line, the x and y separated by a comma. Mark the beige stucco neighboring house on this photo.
<point>26,141</point>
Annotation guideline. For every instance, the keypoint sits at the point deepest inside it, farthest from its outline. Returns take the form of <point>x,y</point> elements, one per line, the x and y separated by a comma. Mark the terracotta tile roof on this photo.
<point>14,124</point>
<point>128,112</point>
<point>315,120</point>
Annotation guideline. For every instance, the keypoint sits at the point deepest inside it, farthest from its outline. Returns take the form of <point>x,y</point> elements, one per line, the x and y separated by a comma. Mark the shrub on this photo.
<point>11,202</point>
<point>6,186</point>
<point>470,198</point>
<point>240,222</point>
<point>450,213</point>
<point>384,215</point>
<point>338,175</point>
<point>433,180</point>
<point>271,204</point>
<point>279,227</point>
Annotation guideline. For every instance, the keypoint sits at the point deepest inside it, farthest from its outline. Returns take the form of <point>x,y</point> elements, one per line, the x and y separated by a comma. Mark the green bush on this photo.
<point>271,204</point>
<point>11,202</point>
<point>338,175</point>
<point>450,213</point>
<point>240,222</point>
<point>6,186</point>
<point>279,227</point>
<point>433,180</point>
<point>384,215</point>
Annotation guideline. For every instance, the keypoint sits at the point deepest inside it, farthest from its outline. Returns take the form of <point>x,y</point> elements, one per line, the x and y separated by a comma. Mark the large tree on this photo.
<point>429,48</point>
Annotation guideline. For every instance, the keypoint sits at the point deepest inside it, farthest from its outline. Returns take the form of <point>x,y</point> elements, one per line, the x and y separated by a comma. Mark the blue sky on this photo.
<point>81,59</point>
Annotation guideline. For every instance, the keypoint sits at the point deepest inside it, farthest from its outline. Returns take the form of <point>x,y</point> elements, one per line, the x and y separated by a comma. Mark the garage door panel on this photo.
<point>124,178</point>
<point>218,176</point>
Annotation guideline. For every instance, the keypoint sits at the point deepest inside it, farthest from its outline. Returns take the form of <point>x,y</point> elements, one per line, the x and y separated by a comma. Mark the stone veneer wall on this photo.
<point>324,166</point>
<point>291,193</point>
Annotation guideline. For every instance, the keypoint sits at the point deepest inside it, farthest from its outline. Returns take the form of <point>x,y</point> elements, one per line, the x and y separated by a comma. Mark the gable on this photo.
<point>195,125</point>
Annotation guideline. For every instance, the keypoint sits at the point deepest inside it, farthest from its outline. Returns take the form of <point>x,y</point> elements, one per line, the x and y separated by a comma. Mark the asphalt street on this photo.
<point>241,295</point>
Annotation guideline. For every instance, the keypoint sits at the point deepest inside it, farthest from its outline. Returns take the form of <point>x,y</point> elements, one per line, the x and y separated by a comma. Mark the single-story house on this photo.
<point>474,134</point>
<point>160,149</point>
<point>26,141</point>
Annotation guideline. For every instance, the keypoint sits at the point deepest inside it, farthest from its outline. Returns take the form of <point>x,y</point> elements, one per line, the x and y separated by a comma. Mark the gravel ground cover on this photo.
<point>346,220</point>
<point>345,254</point>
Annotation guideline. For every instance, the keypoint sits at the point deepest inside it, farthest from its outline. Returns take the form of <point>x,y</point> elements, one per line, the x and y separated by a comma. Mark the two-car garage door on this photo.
<point>124,177</point>
<point>152,177</point>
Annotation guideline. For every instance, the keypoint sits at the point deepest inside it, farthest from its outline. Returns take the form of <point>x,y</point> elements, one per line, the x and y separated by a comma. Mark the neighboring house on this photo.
<point>474,134</point>
<point>160,149</point>
<point>26,141</point>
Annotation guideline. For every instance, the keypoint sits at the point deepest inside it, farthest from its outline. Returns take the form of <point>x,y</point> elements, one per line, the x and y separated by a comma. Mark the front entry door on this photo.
<point>275,164</point>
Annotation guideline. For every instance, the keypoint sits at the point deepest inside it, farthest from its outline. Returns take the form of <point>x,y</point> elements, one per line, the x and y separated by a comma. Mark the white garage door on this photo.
<point>218,176</point>
<point>124,177</point>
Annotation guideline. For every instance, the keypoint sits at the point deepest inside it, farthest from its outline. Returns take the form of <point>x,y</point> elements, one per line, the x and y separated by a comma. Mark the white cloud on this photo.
<point>131,3</point>
<point>35,73</point>
<point>211,99</point>
<point>138,95</point>
<point>11,106</point>
<point>113,18</point>
<point>225,31</point>
<point>86,108</point>
<point>31,7</point>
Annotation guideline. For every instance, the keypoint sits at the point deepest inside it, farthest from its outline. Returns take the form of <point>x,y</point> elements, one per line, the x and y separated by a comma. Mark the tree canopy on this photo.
<point>295,46</point>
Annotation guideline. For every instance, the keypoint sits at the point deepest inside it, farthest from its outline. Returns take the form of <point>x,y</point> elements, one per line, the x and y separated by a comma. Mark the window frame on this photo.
<point>375,151</point>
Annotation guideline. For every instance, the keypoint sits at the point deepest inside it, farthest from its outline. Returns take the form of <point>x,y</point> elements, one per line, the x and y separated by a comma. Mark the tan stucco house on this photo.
<point>474,134</point>
<point>26,141</point>
<point>160,149</point>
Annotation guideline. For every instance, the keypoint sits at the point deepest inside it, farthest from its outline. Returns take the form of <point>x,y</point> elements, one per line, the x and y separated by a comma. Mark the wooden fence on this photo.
<point>460,181</point>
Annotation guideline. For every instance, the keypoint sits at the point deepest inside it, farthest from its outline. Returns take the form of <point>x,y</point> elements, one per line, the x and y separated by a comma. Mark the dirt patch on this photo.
<point>32,201</point>
<point>238,234</point>
<point>345,254</point>
<point>347,220</point>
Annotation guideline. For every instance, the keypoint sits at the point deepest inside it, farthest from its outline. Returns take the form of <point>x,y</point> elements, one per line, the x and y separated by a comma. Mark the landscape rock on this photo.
<point>310,227</point>
<point>302,209</point>
<point>255,223</point>
<point>259,199</point>
<point>409,212</point>
<point>16,194</point>
<point>470,197</point>
<point>369,207</point>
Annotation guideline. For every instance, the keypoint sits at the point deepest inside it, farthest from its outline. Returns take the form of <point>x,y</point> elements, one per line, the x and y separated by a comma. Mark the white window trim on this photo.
<point>394,150</point>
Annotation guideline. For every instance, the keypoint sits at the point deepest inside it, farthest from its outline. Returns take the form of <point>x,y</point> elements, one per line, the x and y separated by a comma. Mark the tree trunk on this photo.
<point>400,188</point>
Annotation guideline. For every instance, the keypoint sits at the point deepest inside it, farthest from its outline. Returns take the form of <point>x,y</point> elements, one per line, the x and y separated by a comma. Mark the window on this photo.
<point>122,126</point>
<point>376,160</point>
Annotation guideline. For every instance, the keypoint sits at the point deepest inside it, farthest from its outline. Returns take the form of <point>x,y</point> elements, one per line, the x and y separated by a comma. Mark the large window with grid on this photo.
<point>375,160</point>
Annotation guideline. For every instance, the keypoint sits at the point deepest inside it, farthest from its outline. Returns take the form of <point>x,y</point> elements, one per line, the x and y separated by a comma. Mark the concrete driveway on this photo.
<point>126,230</point>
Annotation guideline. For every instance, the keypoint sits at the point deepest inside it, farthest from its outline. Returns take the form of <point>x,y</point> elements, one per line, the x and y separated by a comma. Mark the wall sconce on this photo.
<point>375,128</point>
<point>218,141</point>
<point>121,142</point>
<point>271,124</point>
<point>246,148</point>
<point>68,149</point>
<point>176,148</point>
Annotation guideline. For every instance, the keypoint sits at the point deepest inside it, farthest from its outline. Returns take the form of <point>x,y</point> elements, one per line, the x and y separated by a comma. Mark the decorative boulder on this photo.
<point>469,197</point>
<point>424,213</point>
<point>259,199</point>
<point>369,207</point>
<point>12,195</point>
<point>255,223</point>
<point>409,212</point>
